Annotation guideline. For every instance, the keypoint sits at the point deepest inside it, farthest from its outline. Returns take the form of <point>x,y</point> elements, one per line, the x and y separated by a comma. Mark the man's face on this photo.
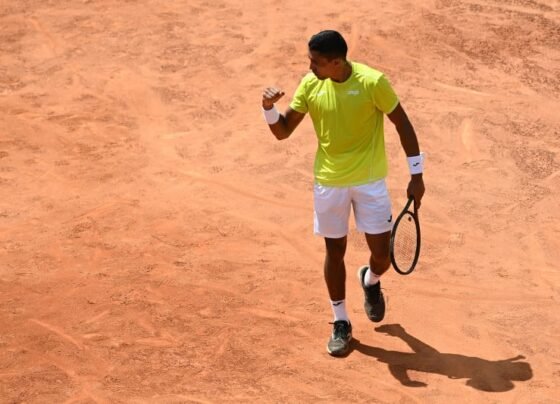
<point>322,66</point>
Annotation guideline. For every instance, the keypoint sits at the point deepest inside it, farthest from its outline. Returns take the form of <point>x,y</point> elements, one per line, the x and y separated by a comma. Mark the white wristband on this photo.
<point>416,164</point>
<point>271,115</point>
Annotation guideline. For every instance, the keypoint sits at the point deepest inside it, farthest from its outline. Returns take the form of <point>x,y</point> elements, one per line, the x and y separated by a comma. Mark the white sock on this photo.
<point>339,310</point>
<point>370,278</point>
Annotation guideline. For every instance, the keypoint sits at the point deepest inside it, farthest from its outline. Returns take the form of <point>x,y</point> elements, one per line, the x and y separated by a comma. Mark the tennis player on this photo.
<point>347,101</point>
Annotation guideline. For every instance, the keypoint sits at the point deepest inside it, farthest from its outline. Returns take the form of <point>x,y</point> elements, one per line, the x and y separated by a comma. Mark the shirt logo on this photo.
<point>321,93</point>
<point>353,92</point>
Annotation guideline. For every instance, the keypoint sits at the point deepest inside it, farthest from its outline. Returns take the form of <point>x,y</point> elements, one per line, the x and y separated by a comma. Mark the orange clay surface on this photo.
<point>156,240</point>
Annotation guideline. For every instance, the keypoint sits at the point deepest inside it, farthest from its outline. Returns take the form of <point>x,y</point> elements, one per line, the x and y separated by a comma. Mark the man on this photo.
<point>346,101</point>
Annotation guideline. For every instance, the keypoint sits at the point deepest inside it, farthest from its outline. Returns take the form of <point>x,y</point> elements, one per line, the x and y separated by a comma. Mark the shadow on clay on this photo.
<point>481,374</point>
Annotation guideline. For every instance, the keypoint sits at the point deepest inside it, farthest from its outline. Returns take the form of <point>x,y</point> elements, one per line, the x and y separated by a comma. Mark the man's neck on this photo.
<point>345,73</point>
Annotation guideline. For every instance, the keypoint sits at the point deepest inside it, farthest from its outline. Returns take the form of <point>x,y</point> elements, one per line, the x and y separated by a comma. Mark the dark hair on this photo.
<point>329,44</point>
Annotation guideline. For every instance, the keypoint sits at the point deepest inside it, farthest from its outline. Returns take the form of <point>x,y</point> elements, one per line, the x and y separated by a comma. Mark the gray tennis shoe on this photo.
<point>339,343</point>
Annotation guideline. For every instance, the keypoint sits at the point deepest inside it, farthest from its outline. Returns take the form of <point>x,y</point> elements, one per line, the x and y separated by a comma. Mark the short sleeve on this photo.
<point>299,101</point>
<point>384,96</point>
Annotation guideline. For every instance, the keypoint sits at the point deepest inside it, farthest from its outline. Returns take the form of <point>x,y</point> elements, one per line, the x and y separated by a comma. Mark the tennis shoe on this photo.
<point>374,302</point>
<point>339,343</point>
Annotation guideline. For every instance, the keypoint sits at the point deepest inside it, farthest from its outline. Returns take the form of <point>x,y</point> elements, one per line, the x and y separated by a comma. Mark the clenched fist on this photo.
<point>270,96</point>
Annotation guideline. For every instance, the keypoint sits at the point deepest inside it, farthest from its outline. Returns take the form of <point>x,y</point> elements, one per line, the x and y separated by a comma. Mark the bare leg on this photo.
<point>378,244</point>
<point>335,270</point>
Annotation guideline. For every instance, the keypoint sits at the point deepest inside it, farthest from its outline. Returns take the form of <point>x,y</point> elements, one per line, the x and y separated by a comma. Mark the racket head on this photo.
<point>404,245</point>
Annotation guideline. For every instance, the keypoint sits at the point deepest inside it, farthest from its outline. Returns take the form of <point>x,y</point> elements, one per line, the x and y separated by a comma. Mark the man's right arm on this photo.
<point>286,124</point>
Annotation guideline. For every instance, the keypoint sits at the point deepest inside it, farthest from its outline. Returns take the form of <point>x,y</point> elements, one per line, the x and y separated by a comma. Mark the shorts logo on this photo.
<point>390,219</point>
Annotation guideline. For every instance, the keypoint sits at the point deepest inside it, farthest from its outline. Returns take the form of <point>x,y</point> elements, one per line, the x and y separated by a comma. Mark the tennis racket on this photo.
<point>405,240</point>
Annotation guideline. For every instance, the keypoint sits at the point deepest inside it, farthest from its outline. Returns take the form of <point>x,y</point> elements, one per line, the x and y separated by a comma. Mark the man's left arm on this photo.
<point>409,142</point>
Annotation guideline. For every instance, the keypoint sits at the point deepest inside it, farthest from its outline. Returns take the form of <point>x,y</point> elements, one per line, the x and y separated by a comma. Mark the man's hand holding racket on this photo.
<point>416,189</point>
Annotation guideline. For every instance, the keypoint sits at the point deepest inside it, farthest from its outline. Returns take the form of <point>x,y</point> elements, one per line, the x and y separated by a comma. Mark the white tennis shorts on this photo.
<point>371,204</point>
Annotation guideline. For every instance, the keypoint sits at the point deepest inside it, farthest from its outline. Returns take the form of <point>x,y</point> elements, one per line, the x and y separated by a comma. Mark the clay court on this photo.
<point>156,241</point>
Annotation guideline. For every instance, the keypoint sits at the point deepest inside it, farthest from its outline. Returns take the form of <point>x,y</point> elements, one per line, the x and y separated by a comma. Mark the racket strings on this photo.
<point>405,243</point>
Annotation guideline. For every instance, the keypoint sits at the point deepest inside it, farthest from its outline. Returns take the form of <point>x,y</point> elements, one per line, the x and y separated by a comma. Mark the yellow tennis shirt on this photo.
<point>348,121</point>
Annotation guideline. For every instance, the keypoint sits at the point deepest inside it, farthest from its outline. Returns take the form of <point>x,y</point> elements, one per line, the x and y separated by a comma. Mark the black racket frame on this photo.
<point>414,214</point>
